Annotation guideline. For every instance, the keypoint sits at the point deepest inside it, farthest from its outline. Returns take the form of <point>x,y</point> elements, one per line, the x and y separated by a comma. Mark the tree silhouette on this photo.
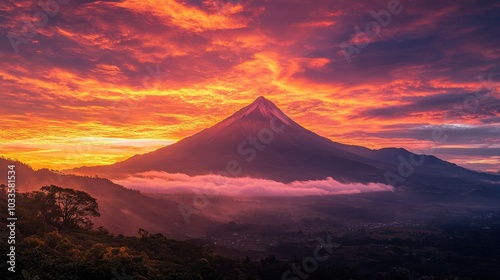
<point>27,275</point>
<point>67,207</point>
<point>143,234</point>
<point>3,191</point>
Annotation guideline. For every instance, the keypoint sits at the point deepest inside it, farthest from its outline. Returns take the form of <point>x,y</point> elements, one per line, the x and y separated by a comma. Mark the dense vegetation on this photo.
<point>56,244</point>
<point>55,240</point>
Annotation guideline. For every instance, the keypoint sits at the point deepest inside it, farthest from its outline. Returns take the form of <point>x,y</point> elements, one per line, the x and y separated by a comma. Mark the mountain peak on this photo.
<point>262,109</point>
<point>260,99</point>
<point>262,142</point>
<point>265,108</point>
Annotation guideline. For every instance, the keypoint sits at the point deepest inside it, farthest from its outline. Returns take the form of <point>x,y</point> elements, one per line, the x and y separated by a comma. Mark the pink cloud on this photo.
<point>167,183</point>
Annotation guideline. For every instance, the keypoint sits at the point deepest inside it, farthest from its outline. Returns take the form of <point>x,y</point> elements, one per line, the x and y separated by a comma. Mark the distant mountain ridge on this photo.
<point>260,141</point>
<point>122,210</point>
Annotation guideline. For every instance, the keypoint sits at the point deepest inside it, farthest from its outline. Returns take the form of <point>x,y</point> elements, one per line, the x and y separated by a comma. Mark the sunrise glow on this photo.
<point>103,81</point>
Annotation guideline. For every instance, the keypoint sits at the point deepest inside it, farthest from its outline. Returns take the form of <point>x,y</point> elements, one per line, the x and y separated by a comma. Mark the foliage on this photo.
<point>61,207</point>
<point>27,275</point>
<point>55,242</point>
<point>67,207</point>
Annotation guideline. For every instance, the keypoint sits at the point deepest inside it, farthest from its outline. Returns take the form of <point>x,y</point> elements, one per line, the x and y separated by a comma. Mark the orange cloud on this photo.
<point>153,71</point>
<point>184,16</point>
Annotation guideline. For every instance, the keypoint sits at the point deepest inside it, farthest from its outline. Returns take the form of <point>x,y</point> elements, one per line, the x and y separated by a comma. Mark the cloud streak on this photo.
<point>93,55</point>
<point>167,183</point>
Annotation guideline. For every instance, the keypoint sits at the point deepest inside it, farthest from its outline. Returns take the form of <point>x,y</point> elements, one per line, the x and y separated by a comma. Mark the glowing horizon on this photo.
<point>102,81</point>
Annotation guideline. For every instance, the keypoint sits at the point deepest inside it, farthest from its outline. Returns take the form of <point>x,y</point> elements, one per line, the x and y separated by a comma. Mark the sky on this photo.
<point>95,82</point>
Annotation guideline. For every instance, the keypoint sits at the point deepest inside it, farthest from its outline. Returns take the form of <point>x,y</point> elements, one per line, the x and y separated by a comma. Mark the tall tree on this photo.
<point>69,208</point>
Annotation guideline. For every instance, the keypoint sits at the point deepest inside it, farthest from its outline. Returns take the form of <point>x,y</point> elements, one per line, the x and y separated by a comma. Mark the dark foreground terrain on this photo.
<point>466,245</point>
<point>456,253</point>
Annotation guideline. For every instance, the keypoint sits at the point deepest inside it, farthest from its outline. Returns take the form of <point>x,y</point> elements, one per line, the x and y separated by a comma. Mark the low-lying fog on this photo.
<point>167,183</point>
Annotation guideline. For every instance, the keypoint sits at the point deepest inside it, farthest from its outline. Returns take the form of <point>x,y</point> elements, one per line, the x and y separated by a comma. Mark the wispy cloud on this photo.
<point>163,182</point>
<point>92,54</point>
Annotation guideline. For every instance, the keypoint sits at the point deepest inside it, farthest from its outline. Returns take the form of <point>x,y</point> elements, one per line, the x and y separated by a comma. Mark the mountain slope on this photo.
<point>263,141</point>
<point>260,141</point>
<point>122,210</point>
